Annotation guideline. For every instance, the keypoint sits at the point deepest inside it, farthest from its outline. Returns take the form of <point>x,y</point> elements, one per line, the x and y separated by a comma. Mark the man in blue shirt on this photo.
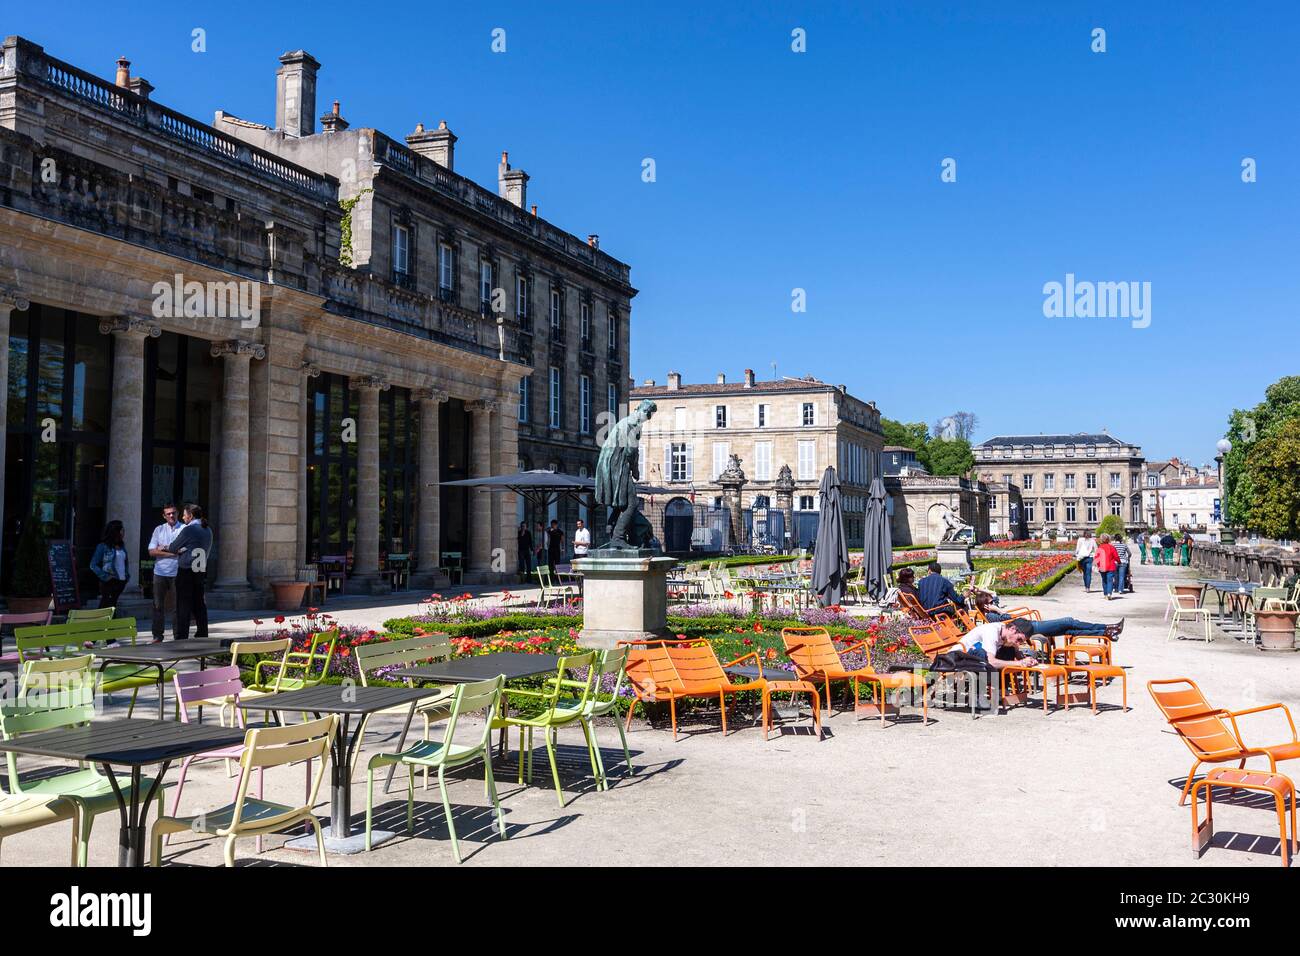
<point>937,592</point>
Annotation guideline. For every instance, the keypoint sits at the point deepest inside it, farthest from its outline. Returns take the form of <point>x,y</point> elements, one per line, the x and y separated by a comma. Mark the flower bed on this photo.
<point>1028,577</point>
<point>1026,544</point>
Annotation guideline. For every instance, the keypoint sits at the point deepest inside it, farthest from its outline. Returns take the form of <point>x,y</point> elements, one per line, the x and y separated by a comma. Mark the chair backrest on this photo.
<point>58,640</point>
<point>56,673</point>
<point>277,746</point>
<point>932,639</point>
<point>611,661</point>
<point>579,688</point>
<point>485,696</point>
<point>911,605</point>
<point>70,707</point>
<point>1199,725</point>
<point>90,614</point>
<point>811,649</point>
<point>1186,597</point>
<point>697,666</point>
<point>1263,595</point>
<point>215,683</point>
<point>650,670</point>
<point>411,650</point>
<point>14,620</point>
<point>544,576</point>
<point>308,659</point>
<point>948,627</point>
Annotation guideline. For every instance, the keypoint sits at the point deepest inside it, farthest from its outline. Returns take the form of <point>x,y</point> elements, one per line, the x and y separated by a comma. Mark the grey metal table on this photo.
<point>162,656</point>
<point>1224,588</point>
<point>135,743</point>
<point>346,700</point>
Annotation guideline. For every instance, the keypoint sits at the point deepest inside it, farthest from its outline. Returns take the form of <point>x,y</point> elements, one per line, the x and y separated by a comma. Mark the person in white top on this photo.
<point>164,569</point>
<point>988,637</point>
<point>1083,552</point>
<point>581,540</point>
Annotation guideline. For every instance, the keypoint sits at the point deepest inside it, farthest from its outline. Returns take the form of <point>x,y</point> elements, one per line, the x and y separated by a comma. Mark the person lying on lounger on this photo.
<point>1056,626</point>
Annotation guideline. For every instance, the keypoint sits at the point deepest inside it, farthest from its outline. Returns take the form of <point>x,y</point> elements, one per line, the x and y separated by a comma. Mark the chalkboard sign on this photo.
<point>63,575</point>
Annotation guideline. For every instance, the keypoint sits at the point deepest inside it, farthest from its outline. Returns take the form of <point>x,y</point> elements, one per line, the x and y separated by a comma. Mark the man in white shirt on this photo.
<point>581,540</point>
<point>988,637</point>
<point>164,569</point>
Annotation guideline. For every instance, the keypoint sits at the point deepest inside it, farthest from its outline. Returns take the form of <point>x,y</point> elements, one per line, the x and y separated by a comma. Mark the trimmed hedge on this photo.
<point>743,560</point>
<point>1042,587</point>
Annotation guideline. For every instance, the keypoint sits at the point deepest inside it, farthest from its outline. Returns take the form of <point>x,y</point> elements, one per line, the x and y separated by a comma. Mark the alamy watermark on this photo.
<point>209,300</point>
<point>1102,300</point>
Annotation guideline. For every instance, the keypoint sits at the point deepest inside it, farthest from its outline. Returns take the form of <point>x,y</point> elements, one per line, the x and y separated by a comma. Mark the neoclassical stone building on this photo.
<point>179,327</point>
<point>784,434</point>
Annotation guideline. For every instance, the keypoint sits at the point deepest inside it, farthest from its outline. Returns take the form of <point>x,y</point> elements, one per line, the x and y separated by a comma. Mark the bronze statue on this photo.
<point>617,471</point>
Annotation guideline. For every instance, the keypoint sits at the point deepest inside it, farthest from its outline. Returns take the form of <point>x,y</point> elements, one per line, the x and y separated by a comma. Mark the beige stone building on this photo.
<point>791,425</point>
<point>1066,482</point>
<point>179,327</point>
<point>919,501</point>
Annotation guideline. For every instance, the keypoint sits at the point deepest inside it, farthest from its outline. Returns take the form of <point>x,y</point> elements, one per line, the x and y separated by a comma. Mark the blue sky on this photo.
<point>820,170</point>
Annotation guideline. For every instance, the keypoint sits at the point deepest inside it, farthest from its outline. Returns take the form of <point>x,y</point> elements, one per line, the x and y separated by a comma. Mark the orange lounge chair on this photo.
<point>816,659</point>
<point>1202,728</point>
<point>943,635</point>
<point>912,606</point>
<point>1067,655</point>
<point>672,670</point>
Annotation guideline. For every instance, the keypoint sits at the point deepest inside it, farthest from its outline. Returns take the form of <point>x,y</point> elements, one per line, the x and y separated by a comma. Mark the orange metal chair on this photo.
<point>1276,785</point>
<point>912,606</point>
<point>1068,657</point>
<point>1203,730</point>
<point>816,659</point>
<point>674,670</point>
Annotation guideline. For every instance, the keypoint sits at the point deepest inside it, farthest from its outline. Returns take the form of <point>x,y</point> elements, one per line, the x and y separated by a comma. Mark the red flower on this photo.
<point>279,619</point>
<point>748,643</point>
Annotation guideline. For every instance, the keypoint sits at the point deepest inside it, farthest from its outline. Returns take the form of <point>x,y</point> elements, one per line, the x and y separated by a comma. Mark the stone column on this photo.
<point>126,433</point>
<point>365,550</point>
<point>732,481</point>
<point>480,517</point>
<point>784,488</point>
<point>429,498</point>
<point>309,371</point>
<point>230,534</point>
<point>10,299</point>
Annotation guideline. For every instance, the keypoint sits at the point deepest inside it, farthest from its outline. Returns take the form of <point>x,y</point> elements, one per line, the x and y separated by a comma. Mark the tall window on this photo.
<point>1027,482</point>
<point>1049,510</point>
<point>584,404</point>
<point>611,396</point>
<point>401,250</point>
<point>760,416</point>
<point>721,450</point>
<point>525,389</point>
<point>1114,481</point>
<point>1137,513</point>
<point>584,325</point>
<point>1115,507</point>
<point>807,503</point>
<point>556,410</point>
<point>1090,480</point>
<point>720,416</point>
<point>679,461</point>
<point>809,413</point>
<point>522,311</point>
<point>331,468</point>
<point>1092,512</point>
<point>446,268</point>
<point>485,284</point>
<point>763,461</point>
<point>611,318</point>
<point>1071,510</point>
<point>557,311</point>
<point>1049,482</point>
<point>807,460</point>
<point>399,471</point>
<point>1069,481</point>
<point>1028,509</point>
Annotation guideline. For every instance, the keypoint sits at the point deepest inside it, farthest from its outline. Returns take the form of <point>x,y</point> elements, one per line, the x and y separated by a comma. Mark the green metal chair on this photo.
<point>56,674</point>
<point>300,662</point>
<point>88,790</point>
<point>562,701</point>
<point>78,614</point>
<point>377,655</point>
<point>612,661</point>
<point>442,754</point>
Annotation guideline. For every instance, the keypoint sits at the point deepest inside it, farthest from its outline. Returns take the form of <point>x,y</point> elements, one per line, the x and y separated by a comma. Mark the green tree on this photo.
<point>1246,428</point>
<point>950,457</point>
<point>1273,464</point>
<point>913,435</point>
<point>1111,525</point>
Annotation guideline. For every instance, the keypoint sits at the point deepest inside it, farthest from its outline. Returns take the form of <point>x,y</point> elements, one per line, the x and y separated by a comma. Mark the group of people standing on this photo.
<point>547,547</point>
<point>181,548</point>
<point>1111,557</point>
<point>1162,548</point>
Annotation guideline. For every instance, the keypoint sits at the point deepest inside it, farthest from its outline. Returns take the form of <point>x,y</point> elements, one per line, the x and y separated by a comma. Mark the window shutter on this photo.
<point>668,461</point>
<point>690,461</point>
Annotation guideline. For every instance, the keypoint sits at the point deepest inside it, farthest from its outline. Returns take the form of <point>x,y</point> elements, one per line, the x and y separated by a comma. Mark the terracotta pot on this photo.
<point>28,605</point>
<point>288,594</point>
<point>1276,630</point>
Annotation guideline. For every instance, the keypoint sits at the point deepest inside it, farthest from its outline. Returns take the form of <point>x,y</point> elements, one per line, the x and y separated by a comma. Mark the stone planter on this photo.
<point>1276,630</point>
<point>28,605</point>
<point>288,594</point>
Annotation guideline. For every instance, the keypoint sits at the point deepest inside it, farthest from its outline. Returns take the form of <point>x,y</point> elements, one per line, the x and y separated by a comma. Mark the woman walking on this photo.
<point>1107,563</point>
<point>1083,553</point>
<point>110,564</point>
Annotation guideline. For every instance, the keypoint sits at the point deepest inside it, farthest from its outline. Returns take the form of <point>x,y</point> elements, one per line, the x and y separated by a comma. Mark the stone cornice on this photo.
<point>238,347</point>
<point>372,382</point>
<point>434,395</point>
<point>130,325</point>
<point>483,405</point>
<point>11,298</point>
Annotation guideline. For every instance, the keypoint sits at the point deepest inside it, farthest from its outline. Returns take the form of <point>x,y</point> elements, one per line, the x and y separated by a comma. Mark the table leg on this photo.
<point>131,832</point>
<point>162,708</point>
<point>341,779</point>
<point>401,745</point>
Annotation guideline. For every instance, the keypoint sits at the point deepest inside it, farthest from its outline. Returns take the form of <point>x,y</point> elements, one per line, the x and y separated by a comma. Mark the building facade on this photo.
<point>1183,497</point>
<point>783,433</point>
<point>1067,483</point>
<point>191,315</point>
<point>1005,510</point>
<point>918,503</point>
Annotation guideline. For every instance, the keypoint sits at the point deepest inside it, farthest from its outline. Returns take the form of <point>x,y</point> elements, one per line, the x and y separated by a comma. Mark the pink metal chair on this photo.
<point>40,618</point>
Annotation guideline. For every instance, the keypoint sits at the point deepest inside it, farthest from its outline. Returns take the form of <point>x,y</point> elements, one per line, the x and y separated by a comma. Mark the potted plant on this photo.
<point>29,585</point>
<point>288,594</point>
<point>1276,629</point>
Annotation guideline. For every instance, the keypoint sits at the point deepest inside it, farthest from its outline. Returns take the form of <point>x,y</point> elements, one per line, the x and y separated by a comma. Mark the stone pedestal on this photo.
<point>954,556</point>
<point>624,598</point>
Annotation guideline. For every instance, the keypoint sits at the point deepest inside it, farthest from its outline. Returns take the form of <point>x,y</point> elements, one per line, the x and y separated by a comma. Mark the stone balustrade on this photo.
<point>1258,564</point>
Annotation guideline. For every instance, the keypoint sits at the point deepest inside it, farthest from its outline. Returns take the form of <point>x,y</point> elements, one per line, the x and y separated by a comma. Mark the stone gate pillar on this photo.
<point>732,481</point>
<point>784,488</point>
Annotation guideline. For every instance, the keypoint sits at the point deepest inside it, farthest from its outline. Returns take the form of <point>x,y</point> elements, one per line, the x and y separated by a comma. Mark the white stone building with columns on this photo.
<point>312,408</point>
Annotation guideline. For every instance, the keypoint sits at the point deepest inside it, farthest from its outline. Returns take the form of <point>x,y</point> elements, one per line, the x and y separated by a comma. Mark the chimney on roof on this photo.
<point>533,209</point>
<point>439,144</point>
<point>333,121</point>
<point>593,240</point>
<point>648,383</point>
<point>749,378</point>
<point>674,381</point>
<point>140,87</point>
<point>295,94</point>
<point>722,378</point>
<point>512,184</point>
<point>123,72</point>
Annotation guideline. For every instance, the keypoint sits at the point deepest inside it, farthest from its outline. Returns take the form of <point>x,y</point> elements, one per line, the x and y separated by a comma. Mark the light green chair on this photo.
<point>63,640</point>
<point>78,614</point>
<point>442,754</point>
<point>53,674</point>
<point>19,814</point>
<point>408,652</point>
<point>88,790</point>
<point>612,661</point>
<point>562,701</point>
<point>296,669</point>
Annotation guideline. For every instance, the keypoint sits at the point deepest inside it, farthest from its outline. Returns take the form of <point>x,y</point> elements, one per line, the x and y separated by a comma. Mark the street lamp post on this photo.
<point>1226,536</point>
